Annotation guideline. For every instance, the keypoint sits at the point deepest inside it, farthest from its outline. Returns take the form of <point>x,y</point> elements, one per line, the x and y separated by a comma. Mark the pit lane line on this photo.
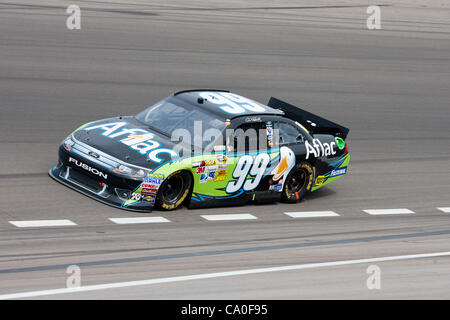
<point>388,211</point>
<point>312,214</point>
<point>139,220</point>
<point>226,217</point>
<point>217,275</point>
<point>219,217</point>
<point>42,223</point>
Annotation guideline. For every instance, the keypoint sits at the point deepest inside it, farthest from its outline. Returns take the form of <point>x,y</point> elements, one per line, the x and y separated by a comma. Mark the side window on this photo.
<point>288,133</point>
<point>247,137</point>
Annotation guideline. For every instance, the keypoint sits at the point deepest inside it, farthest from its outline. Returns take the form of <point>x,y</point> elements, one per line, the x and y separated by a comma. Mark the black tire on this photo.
<point>298,183</point>
<point>174,191</point>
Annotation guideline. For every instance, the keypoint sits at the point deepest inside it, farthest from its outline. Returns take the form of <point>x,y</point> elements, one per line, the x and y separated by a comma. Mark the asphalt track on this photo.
<point>389,86</point>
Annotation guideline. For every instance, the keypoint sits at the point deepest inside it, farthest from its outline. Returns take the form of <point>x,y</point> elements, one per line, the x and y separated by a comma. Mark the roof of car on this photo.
<point>224,103</point>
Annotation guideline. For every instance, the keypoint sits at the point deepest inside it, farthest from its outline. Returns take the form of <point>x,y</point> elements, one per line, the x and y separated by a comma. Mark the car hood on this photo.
<point>127,139</point>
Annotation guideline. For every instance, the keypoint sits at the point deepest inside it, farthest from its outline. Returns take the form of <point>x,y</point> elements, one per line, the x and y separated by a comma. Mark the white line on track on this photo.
<point>312,214</point>
<point>42,223</point>
<point>139,220</point>
<point>216,275</point>
<point>446,210</point>
<point>388,211</point>
<point>222,217</point>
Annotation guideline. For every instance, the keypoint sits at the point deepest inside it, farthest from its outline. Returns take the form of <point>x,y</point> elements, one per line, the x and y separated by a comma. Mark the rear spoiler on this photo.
<point>312,122</point>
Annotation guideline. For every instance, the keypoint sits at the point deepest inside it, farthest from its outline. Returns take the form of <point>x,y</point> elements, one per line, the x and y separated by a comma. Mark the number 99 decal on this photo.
<point>245,166</point>
<point>232,103</point>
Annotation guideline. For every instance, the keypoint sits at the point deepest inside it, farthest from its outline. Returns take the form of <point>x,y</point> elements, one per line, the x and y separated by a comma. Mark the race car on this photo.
<point>203,148</point>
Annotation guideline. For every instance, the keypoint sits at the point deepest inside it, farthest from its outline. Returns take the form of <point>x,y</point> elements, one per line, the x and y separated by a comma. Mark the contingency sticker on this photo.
<point>269,132</point>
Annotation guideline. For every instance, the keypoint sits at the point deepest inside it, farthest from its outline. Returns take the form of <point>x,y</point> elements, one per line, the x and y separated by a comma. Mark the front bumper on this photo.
<point>113,191</point>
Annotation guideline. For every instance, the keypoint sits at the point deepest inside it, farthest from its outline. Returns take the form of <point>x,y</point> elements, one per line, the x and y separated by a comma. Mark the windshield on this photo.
<point>170,114</point>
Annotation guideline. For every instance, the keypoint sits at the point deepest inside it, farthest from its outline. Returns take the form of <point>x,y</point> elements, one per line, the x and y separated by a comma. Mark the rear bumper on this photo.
<point>334,170</point>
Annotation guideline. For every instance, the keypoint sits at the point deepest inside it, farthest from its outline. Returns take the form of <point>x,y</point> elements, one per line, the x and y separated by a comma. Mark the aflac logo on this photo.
<point>319,149</point>
<point>137,139</point>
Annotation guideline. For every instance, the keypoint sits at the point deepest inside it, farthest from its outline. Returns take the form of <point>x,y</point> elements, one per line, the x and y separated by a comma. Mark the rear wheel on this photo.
<point>174,190</point>
<point>298,183</point>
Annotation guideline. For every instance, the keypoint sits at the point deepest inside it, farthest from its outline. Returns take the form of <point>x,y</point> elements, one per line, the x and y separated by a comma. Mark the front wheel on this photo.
<point>174,190</point>
<point>298,183</point>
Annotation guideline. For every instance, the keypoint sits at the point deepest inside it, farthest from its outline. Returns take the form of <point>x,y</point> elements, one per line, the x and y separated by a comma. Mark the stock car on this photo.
<point>166,156</point>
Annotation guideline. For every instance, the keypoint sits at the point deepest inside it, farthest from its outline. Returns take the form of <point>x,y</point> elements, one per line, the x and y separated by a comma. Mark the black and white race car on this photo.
<point>244,151</point>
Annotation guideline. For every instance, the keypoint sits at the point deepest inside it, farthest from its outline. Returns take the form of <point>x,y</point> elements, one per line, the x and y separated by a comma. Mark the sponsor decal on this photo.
<point>149,185</point>
<point>208,176</point>
<point>154,178</point>
<point>269,132</point>
<point>149,198</point>
<point>211,168</point>
<point>319,180</point>
<point>139,140</point>
<point>221,175</point>
<point>203,178</point>
<point>335,173</point>
<point>200,170</point>
<point>149,191</point>
<point>88,168</point>
<point>276,187</point>
<point>198,164</point>
<point>221,158</point>
<point>338,172</point>
<point>210,165</point>
<point>319,149</point>
<point>252,119</point>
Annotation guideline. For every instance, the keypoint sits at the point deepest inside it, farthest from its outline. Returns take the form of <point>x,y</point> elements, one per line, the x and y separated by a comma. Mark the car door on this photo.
<point>254,156</point>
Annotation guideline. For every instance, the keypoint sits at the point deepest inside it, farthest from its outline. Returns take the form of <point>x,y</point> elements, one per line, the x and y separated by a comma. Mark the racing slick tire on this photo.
<point>174,190</point>
<point>298,182</point>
